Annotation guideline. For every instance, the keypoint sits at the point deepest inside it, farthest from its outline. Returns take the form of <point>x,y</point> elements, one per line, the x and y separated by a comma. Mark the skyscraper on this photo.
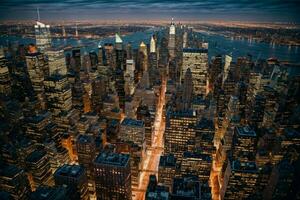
<point>197,61</point>
<point>112,176</point>
<point>42,36</point>
<point>172,37</point>
<point>74,176</point>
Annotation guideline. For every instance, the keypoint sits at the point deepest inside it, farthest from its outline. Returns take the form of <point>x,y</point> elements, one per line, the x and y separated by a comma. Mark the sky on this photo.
<point>227,10</point>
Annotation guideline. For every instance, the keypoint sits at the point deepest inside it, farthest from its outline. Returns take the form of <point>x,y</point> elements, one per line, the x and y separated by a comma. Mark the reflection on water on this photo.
<point>217,45</point>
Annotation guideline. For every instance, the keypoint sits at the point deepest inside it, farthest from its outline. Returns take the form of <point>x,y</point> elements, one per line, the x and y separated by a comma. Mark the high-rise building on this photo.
<point>240,180</point>
<point>172,39</point>
<point>179,130</point>
<point>152,45</point>
<point>155,191</point>
<point>38,167</point>
<point>112,176</point>
<point>197,61</point>
<point>56,62</point>
<point>187,187</point>
<point>167,169</point>
<point>133,130</point>
<point>244,144</point>
<point>14,181</point>
<point>198,164</point>
<point>187,90</point>
<point>5,79</point>
<point>74,176</point>
<point>42,36</point>
<point>51,193</point>
<point>37,69</point>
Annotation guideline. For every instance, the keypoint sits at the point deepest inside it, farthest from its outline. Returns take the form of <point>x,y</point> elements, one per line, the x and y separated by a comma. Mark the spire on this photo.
<point>142,44</point>
<point>152,45</point>
<point>38,14</point>
<point>118,38</point>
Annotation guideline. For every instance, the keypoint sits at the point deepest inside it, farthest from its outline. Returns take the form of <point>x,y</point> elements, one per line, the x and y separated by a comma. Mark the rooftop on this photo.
<point>35,156</point>
<point>244,166</point>
<point>188,154</point>
<point>84,139</point>
<point>9,171</point>
<point>111,158</point>
<point>186,187</point>
<point>168,160</point>
<point>245,131</point>
<point>132,122</point>
<point>69,171</point>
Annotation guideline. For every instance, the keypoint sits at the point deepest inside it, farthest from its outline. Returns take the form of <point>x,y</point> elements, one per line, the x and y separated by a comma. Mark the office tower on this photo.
<point>185,40</point>
<point>244,143</point>
<point>120,86</point>
<point>196,163</point>
<point>216,69</point>
<point>133,130</point>
<point>51,193</point>
<point>129,77</point>
<point>179,130</point>
<point>240,180</point>
<point>187,90</point>
<point>94,59</point>
<point>255,111</point>
<point>5,80</point>
<point>155,191</point>
<point>187,187</point>
<point>76,55</point>
<point>86,64</point>
<point>14,181</point>
<point>42,36</point>
<point>74,176</point>
<point>167,169</point>
<point>56,62</point>
<point>35,126</point>
<point>77,94</point>
<point>143,114</point>
<point>101,55</point>
<point>38,167</point>
<point>204,140</point>
<point>173,70</point>
<point>143,57</point>
<point>98,93</point>
<point>120,57</point>
<point>172,38</point>
<point>59,99</point>
<point>109,55</point>
<point>228,60</point>
<point>86,152</point>
<point>129,51</point>
<point>112,176</point>
<point>197,61</point>
<point>37,69</point>
<point>152,44</point>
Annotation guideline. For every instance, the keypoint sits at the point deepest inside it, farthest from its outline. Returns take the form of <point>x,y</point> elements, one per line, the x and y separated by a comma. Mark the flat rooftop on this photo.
<point>186,187</point>
<point>69,171</point>
<point>168,160</point>
<point>84,139</point>
<point>132,122</point>
<point>244,166</point>
<point>245,131</point>
<point>188,154</point>
<point>111,158</point>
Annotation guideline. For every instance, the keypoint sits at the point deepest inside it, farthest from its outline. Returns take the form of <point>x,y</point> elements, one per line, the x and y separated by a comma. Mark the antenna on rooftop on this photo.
<point>38,13</point>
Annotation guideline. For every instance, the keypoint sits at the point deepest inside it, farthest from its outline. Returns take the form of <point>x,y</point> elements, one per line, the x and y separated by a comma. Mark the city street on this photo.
<point>151,161</point>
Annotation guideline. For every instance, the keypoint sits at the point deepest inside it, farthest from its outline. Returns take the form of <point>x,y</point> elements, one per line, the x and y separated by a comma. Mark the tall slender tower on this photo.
<point>152,45</point>
<point>172,35</point>
<point>42,34</point>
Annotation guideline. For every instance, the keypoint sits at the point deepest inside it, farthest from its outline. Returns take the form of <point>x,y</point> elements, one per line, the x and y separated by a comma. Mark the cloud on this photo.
<point>273,9</point>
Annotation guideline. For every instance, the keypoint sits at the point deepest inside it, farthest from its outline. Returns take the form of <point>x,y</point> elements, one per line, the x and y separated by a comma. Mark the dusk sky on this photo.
<point>237,10</point>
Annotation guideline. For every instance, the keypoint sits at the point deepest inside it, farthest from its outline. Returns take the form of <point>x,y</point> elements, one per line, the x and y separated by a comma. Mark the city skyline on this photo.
<point>228,10</point>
